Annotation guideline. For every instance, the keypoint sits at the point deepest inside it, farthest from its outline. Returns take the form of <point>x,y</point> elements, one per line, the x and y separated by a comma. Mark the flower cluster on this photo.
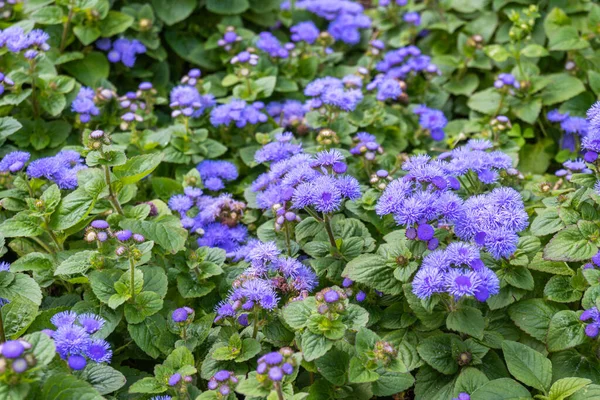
<point>303,181</point>
<point>366,145</point>
<point>97,230</point>
<point>506,80</point>
<point>214,174</point>
<point>462,396</point>
<point>61,169</point>
<point>84,104</point>
<point>331,302</point>
<point>384,352</point>
<point>591,141</point>
<point>360,295</point>
<point>282,148</point>
<point>347,17</point>
<point>331,91</point>
<point>426,194</point>
<point>177,378</point>
<point>305,31</point>
<point>75,341</point>
<point>15,354</point>
<point>577,166</point>
<point>432,121</point>
<point>14,162</point>
<point>400,63</point>
<point>268,43</point>
<point>4,267</point>
<point>230,37</point>
<point>122,50</point>
<point>245,57</point>
<point>276,365</point>
<point>593,326</point>
<point>457,271</point>
<point>268,273</point>
<point>572,127</point>
<point>387,88</point>
<point>223,382</point>
<point>15,40</point>
<point>238,111</point>
<point>182,315</point>
<point>288,113</point>
<point>187,101</point>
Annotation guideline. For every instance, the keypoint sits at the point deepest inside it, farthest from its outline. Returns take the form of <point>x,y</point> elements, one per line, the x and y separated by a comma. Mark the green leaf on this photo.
<point>569,245</point>
<point>50,15</point>
<point>559,289</point>
<point>145,305</point>
<point>563,388</point>
<point>534,51</point>
<point>90,70</point>
<point>19,286</point>
<point>148,385</point>
<point>497,52</point>
<point>171,12</point>
<point>567,38</point>
<point>437,351</point>
<point>359,373</point>
<point>87,34</point>
<point>390,383</point>
<point>467,320</point>
<point>8,126</point>
<point>105,379</point>
<point>166,232</point>
<point>469,380</point>
<point>147,334</point>
<point>136,168</point>
<point>190,288</point>
<point>17,316</point>
<point>501,389</point>
<point>73,208</point>
<point>115,23</point>
<point>333,366</point>
<point>589,392</point>
<point>486,101</point>
<point>227,7</point>
<point>296,313</point>
<point>527,365</point>
<point>77,264</point>
<point>22,224</point>
<point>373,271</point>
<point>465,86</point>
<point>561,87</point>
<point>61,386</point>
<point>42,347</point>
<point>533,316</point>
<point>565,331</point>
<point>314,346</point>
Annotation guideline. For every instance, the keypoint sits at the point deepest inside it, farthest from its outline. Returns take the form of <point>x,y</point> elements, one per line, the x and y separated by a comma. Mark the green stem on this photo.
<point>132,284</point>
<point>63,39</point>
<point>277,387</point>
<point>287,238</point>
<point>327,223</point>
<point>42,244</point>
<point>255,329</point>
<point>111,194</point>
<point>34,100</point>
<point>2,336</point>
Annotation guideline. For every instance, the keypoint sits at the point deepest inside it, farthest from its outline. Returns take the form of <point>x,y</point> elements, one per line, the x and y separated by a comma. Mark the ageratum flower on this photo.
<point>223,382</point>
<point>187,101</point>
<point>288,113</point>
<point>276,365</point>
<point>61,169</point>
<point>431,120</point>
<point>331,91</point>
<point>282,148</point>
<point>84,104</point>
<point>593,326</point>
<point>268,43</point>
<point>123,50</point>
<point>400,63</point>
<point>14,161</point>
<point>239,112</point>
<point>214,174</point>
<point>305,31</point>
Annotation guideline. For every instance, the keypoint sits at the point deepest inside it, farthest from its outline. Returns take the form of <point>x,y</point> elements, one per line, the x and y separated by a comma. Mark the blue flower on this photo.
<point>14,161</point>
<point>99,351</point>
<point>64,318</point>
<point>84,104</point>
<point>268,43</point>
<point>187,101</point>
<point>180,203</point>
<point>239,112</point>
<point>281,149</point>
<point>224,237</point>
<point>71,339</point>
<point>91,322</point>
<point>413,18</point>
<point>214,174</point>
<point>125,51</point>
<point>305,31</point>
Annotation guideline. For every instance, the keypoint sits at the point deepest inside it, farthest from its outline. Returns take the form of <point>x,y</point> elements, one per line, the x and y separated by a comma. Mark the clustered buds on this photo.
<point>127,237</point>
<point>231,211</point>
<point>380,179</point>
<point>5,81</point>
<point>284,215</point>
<point>245,57</point>
<point>192,77</point>
<point>15,358</point>
<point>424,232</point>
<point>182,315</point>
<point>360,295</point>
<point>327,137</point>
<point>223,382</point>
<point>97,139</point>
<point>230,38</point>
<point>500,123</point>
<point>475,41</point>
<point>177,379</point>
<point>98,230</point>
<point>331,301</point>
<point>276,365</point>
<point>384,352</point>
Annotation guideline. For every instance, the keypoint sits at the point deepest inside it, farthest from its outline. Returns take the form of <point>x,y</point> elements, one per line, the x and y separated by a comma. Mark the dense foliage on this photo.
<point>307,199</point>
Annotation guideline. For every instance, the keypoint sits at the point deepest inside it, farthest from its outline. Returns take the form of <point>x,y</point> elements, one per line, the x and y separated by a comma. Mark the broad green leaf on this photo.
<point>171,12</point>
<point>61,386</point>
<point>501,389</point>
<point>314,346</point>
<point>569,245</point>
<point>565,331</point>
<point>533,316</point>
<point>359,373</point>
<point>373,271</point>
<point>78,263</point>
<point>103,378</point>
<point>467,320</point>
<point>527,365</point>
<point>437,351</point>
<point>563,388</point>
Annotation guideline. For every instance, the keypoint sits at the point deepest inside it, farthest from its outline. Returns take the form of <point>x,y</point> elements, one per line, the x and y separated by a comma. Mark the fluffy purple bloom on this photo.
<point>186,100</point>
<point>77,362</point>
<point>84,104</point>
<point>99,351</point>
<point>239,112</point>
<point>14,161</point>
<point>281,149</point>
<point>12,349</point>
<point>180,315</point>
<point>125,51</point>
<point>91,322</point>
<point>180,203</point>
<point>412,18</point>
<point>223,236</point>
<point>71,340</point>
<point>305,31</point>
<point>64,318</point>
<point>268,43</point>
<point>214,174</point>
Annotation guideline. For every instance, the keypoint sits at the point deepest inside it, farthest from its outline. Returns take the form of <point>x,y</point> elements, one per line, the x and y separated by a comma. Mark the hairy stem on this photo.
<point>327,223</point>
<point>111,196</point>
<point>132,284</point>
